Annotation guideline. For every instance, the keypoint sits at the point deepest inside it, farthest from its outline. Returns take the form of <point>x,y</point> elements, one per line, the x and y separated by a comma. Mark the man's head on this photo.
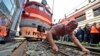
<point>72,25</point>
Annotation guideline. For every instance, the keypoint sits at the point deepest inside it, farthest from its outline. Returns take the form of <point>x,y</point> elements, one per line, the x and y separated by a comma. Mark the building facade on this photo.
<point>10,11</point>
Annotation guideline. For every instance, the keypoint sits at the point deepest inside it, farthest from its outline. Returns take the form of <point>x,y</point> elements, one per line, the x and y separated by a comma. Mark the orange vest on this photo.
<point>3,31</point>
<point>94,30</point>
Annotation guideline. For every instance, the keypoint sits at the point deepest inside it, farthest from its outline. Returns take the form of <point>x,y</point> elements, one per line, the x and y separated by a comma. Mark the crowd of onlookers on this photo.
<point>3,29</point>
<point>89,33</point>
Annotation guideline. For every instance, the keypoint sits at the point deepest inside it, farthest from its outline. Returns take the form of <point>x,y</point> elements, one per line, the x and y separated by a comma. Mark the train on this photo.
<point>36,20</point>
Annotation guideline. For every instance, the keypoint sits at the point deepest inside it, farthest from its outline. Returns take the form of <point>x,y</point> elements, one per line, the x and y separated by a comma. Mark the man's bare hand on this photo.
<point>55,49</point>
<point>86,51</point>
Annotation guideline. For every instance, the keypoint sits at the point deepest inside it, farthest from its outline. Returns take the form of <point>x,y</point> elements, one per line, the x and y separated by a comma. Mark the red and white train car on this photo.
<point>36,20</point>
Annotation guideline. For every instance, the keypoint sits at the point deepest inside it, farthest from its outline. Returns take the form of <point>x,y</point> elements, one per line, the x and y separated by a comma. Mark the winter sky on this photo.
<point>62,7</point>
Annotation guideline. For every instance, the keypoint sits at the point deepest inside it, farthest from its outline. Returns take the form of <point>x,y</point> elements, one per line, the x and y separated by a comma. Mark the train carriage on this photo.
<point>36,20</point>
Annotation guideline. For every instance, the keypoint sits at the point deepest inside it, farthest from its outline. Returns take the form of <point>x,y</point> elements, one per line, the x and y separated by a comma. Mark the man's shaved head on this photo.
<point>72,25</point>
<point>73,22</point>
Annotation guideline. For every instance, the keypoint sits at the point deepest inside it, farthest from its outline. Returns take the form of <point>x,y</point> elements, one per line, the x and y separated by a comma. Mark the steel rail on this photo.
<point>92,51</point>
<point>20,50</point>
<point>63,53</point>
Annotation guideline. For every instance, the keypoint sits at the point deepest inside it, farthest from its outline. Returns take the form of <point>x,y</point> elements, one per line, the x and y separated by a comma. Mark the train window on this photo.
<point>91,1</point>
<point>34,6</point>
<point>41,8</point>
<point>40,28</point>
<point>97,12</point>
<point>80,18</point>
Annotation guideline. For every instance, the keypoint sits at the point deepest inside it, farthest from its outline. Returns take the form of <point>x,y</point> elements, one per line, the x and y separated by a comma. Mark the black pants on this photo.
<point>95,38</point>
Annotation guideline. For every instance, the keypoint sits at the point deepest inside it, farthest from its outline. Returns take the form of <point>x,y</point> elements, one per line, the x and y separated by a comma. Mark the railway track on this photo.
<point>39,48</point>
<point>93,51</point>
<point>7,48</point>
<point>42,50</point>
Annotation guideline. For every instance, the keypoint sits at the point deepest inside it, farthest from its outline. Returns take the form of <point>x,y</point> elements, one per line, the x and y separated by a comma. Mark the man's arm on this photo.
<point>76,42</point>
<point>50,38</point>
<point>51,41</point>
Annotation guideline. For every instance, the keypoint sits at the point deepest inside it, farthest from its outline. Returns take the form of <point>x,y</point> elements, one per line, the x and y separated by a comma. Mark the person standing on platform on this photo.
<point>94,34</point>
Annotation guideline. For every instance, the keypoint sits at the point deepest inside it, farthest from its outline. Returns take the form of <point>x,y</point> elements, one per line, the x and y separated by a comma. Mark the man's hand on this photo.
<point>86,51</point>
<point>55,49</point>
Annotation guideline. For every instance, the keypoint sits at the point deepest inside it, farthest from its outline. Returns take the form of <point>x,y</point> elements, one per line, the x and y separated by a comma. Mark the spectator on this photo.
<point>87,35</point>
<point>94,34</point>
<point>80,34</point>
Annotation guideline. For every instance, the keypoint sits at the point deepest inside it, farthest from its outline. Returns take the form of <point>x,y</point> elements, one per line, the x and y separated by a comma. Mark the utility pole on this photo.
<point>53,10</point>
<point>53,7</point>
